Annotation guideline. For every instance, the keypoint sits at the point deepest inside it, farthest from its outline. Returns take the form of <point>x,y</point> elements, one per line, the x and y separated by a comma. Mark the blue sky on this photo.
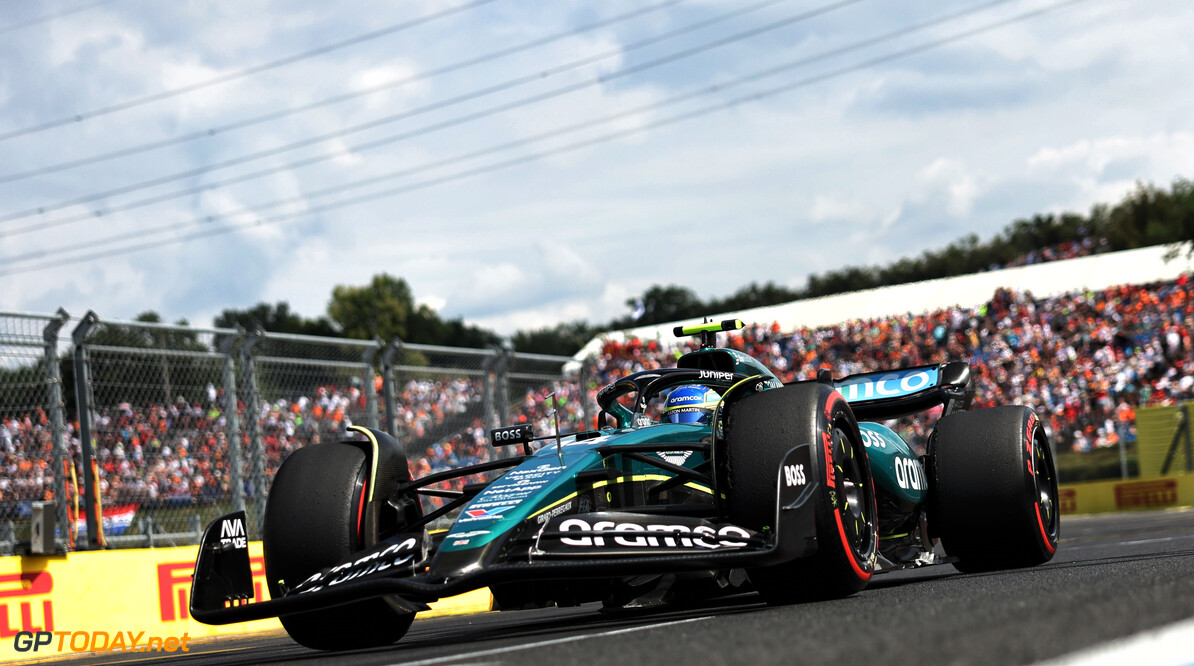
<point>854,154</point>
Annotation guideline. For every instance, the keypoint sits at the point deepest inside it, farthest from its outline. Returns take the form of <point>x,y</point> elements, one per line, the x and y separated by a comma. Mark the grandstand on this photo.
<point>1138,266</point>
<point>1084,341</point>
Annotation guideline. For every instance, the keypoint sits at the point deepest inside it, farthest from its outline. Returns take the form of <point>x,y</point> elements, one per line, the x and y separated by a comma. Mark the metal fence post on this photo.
<point>588,414</point>
<point>367,375</point>
<point>83,402</point>
<point>502,386</point>
<point>388,390</point>
<point>488,388</point>
<point>253,428</point>
<point>57,421</point>
<point>232,432</point>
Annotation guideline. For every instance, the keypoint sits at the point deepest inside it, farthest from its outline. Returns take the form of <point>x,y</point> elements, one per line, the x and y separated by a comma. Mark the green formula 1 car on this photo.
<point>708,478</point>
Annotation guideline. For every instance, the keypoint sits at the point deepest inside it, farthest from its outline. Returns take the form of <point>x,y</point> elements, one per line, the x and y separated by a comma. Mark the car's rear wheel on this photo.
<point>313,521</point>
<point>994,489</point>
<point>760,432</point>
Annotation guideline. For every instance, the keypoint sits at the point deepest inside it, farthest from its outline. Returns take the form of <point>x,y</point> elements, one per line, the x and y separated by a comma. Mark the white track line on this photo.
<point>1168,646</point>
<point>556,641</point>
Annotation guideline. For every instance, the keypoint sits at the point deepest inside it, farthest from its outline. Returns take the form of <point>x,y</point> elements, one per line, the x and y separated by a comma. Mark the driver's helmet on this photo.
<point>690,404</point>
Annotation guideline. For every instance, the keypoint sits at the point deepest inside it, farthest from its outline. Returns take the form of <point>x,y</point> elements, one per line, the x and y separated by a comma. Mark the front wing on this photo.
<point>608,544</point>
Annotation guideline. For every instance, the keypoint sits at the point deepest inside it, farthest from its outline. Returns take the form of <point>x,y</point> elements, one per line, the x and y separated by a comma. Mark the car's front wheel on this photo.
<point>313,521</point>
<point>760,432</point>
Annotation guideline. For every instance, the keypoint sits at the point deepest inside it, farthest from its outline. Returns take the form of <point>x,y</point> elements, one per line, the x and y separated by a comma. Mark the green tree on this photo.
<point>386,308</point>
<point>563,339</point>
<point>275,318</point>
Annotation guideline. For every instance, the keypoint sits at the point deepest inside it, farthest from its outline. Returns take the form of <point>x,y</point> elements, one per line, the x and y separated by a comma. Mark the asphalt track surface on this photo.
<point>1113,576</point>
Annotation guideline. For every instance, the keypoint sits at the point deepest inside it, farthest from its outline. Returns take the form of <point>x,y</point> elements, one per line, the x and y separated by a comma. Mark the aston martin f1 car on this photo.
<point>797,491</point>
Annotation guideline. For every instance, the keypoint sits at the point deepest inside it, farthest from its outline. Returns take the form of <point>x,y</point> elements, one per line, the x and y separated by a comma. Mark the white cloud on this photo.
<point>1056,112</point>
<point>951,181</point>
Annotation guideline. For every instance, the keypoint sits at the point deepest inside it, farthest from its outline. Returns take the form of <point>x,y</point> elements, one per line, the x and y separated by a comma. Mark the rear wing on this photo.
<point>889,394</point>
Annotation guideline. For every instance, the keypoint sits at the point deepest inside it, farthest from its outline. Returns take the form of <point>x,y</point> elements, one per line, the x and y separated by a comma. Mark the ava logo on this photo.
<point>232,532</point>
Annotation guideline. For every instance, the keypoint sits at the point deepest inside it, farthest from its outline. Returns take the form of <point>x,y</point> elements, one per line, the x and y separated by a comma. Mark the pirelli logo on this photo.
<point>1067,498</point>
<point>1146,494</point>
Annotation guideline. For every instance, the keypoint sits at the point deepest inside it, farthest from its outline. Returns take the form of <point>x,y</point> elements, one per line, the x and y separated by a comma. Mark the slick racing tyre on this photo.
<point>994,501</point>
<point>311,522</point>
<point>760,431</point>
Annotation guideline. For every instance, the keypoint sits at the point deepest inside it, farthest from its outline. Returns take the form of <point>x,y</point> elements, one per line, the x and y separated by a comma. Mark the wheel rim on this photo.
<point>1046,488</point>
<point>855,501</point>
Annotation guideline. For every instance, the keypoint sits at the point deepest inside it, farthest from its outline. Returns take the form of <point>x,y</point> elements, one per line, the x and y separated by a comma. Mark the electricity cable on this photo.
<point>435,106</point>
<point>345,97</point>
<point>239,74</point>
<point>605,138</point>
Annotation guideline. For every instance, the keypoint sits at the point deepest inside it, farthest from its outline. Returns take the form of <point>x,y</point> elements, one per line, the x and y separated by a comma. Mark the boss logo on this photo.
<point>794,475</point>
<point>512,435</point>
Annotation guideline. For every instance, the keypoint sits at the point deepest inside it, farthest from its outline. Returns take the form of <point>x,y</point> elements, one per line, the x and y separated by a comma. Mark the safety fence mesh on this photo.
<point>165,427</point>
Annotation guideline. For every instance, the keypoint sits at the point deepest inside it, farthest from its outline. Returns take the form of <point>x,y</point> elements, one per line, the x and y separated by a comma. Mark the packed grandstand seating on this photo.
<point>1085,361</point>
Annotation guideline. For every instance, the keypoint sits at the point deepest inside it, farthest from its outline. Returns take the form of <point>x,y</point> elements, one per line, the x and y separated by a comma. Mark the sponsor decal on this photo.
<point>680,399</point>
<point>489,505</point>
<point>1146,494</point>
<point>466,537</point>
<point>174,587</point>
<point>512,489</point>
<point>1067,500</point>
<point>590,535</point>
<point>873,439</point>
<point>232,534</point>
<point>517,434</point>
<point>828,446</point>
<point>794,475</point>
<point>18,600</point>
<point>1028,440</point>
<point>471,515</point>
<point>392,555</point>
<point>908,473</point>
<point>552,513</point>
<point>717,375</point>
<point>675,457</point>
<point>887,385</point>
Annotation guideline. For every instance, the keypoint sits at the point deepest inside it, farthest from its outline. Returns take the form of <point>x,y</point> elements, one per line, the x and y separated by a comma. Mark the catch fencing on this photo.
<point>166,427</point>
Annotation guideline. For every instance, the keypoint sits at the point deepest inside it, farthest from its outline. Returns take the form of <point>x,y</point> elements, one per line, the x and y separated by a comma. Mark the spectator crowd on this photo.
<point>1085,361</point>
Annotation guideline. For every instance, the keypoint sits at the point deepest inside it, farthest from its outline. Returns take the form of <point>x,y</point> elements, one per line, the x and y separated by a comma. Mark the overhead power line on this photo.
<point>207,230</point>
<point>435,106</point>
<point>346,97</point>
<point>240,73</point>
<point>51,17</point>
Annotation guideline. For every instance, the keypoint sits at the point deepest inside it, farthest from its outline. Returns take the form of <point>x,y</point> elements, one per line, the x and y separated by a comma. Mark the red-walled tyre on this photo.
<point>995,489</point>
<point>310,524</point>
<point>760,431</point>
